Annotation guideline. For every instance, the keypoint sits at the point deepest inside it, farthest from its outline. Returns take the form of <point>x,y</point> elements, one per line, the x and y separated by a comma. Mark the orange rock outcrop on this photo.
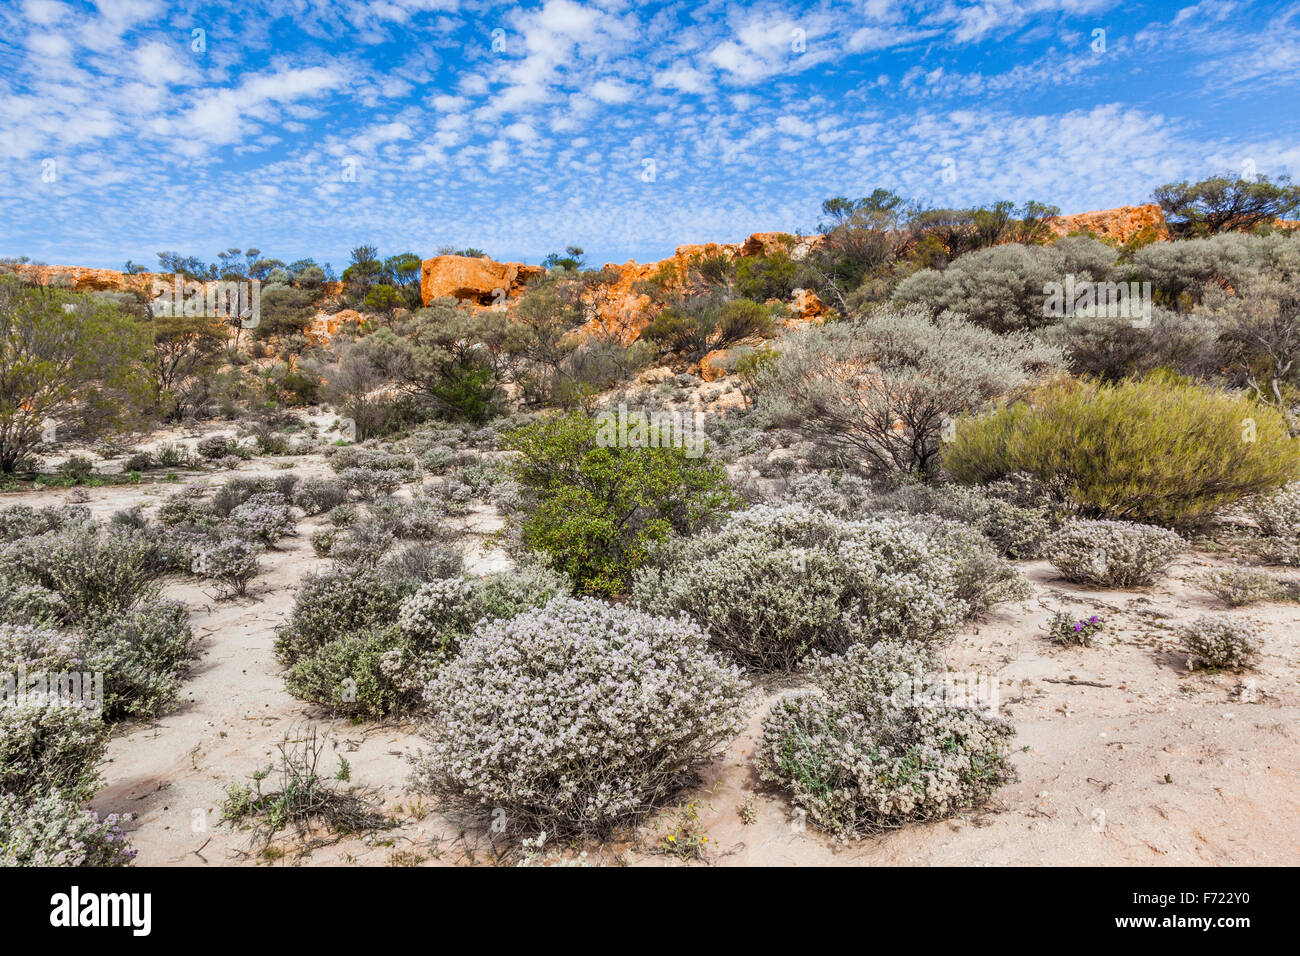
<point>1118,225</point>
<point>481,281</point>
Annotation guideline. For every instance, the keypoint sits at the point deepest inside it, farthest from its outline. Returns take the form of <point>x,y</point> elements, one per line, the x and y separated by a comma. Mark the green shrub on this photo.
<point>1158,451</point>
<point>367,672</point>
<point>328,605</point>
<point>598,508</point>
<point>1070,631</point>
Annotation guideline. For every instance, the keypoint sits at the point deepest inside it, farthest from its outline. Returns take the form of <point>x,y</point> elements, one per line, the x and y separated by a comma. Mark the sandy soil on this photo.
<point>1128,758</point>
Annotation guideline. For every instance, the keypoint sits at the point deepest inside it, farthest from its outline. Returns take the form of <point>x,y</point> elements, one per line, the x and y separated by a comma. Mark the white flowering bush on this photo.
<point>144,653</point>
<point>420,562</point>
<point>864,752</point>
<point>38,647</point>
<point>24,521</point>
<point>49,744</point>
<point>1217,641</point>
<point>316,496</point>
<point>1237,587</point>
<point>442,611</point>
<point>776,582</point>
<point>1278,518</point>
<point>1120,554</point>
<point>370,482</point>
<point>52,830</point>
<point>576,717</point>
<point>26,602</point>
<point>92,570</point>
<point>263,517</point>
<point>230,563</point>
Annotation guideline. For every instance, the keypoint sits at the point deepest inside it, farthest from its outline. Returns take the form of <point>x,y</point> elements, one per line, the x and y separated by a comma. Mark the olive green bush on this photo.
<point>1157,450</point>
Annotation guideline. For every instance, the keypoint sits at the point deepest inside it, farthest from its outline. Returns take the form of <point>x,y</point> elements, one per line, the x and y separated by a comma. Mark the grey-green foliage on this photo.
<point>773,584</point>
<point>882,742</point>
<point>849,385</point>
<point>1182,272</point>
<point>1002,288</point>
<point>364,642</point>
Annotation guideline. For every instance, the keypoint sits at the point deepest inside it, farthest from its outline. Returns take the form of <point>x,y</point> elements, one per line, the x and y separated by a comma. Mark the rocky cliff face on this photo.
<point>618,308</point>
<point>480,281</point>
<point>1118,225</point>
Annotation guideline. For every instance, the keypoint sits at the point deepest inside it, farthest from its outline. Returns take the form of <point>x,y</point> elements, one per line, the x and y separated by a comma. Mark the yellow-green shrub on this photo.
<point>1159,450</point>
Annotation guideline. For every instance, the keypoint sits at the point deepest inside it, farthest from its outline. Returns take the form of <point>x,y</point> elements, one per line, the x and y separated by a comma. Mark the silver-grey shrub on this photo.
<point>1002,288</point>
<point>773,583</point>
<point>876,747</point>
<point>848,385</point>
<point>1278,519</point>
<point>49,744</point>
<point>316,496</point>
<point>1219,641</point>
<point>576,717</point>
<point>1120,554</point>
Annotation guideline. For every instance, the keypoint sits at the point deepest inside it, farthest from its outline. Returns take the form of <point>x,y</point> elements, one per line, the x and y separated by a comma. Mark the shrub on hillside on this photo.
<point>1002,288</point>
<point>1159,451</point>
<point>849,385</point>
<point>598,507</point>
<point>596,714</point>
<point>1120,554</point>
<point>1219,641</point>
<point>214,447</point>
<point>774,583</point>
<point>878,748</point>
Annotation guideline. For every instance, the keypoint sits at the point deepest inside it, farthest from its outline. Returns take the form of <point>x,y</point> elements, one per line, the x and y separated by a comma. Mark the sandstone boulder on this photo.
<point>481,281</point>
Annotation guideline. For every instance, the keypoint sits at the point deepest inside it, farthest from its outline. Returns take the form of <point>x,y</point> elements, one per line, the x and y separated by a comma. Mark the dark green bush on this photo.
<point>596,509</point>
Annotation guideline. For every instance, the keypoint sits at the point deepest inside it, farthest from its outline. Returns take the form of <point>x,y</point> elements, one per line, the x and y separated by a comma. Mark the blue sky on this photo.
<point>306,127</point>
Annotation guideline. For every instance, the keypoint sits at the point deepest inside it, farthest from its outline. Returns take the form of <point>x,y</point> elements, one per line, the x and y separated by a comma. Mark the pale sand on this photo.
<point>1161,766</point>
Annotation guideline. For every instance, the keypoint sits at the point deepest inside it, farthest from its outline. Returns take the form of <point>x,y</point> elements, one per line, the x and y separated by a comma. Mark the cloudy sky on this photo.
<point>306,127</point>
